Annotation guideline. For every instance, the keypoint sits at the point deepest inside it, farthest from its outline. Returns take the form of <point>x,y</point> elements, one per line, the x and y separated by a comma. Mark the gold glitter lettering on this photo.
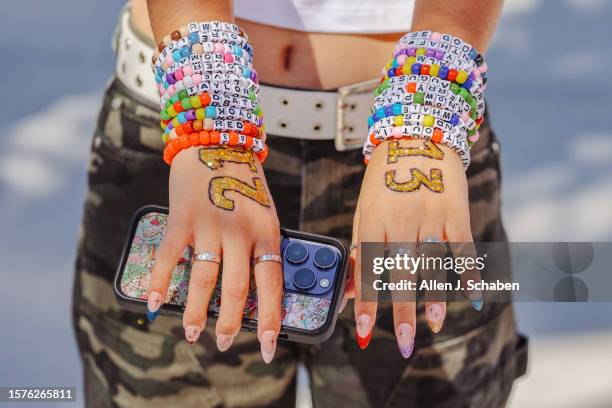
<point>214,157</point>
<point>434,182</point>
<point>220,185</point>
<point>429,149</point>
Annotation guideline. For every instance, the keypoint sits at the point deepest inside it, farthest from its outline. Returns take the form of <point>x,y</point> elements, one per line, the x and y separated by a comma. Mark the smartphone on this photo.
<point>314,270</point>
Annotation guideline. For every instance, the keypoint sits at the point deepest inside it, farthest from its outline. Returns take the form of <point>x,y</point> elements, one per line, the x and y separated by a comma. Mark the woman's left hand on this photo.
<point>413,191</point>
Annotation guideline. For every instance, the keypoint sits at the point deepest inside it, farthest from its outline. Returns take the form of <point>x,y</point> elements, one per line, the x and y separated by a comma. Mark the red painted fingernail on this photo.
<point>364,330</point>
<point>364,341</point>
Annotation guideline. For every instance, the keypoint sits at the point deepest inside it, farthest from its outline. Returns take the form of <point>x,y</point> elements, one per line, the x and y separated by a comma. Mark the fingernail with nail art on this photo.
<point>405,339</point>
<point>364,330</point>
<point>154,303</point>
<point>224,341</point>
<point>268,345</point>
<point>192,333</point>
<point>435,317</point>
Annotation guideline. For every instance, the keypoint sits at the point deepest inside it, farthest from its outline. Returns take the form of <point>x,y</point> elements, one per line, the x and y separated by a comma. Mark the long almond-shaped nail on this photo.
<point>153,305</point>
<point>364,330</point>
<point>268,345</point>
<point>435,317</point>
<point>224,341</point>
<point>405,339</point>
<point>192,333</point>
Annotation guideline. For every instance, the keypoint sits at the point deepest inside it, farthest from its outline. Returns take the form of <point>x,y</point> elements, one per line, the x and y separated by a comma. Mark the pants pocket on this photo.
<point>125,366</point>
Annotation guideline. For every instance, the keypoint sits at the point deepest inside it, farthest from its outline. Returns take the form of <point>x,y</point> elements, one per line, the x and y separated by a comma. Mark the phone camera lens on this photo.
<point>324,258</point>
<point>296,252</point>
<point>304,279</point>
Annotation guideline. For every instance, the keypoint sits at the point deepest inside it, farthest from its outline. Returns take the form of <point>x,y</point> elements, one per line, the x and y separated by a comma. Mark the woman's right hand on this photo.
<point>219,203</point>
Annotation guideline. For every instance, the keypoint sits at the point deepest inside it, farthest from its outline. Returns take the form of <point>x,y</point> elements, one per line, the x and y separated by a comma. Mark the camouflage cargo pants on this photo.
<point>472,362</point>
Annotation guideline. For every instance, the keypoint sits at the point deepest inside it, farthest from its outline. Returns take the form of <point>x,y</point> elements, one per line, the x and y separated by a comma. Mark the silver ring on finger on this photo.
<point>432,240</point>
<point>353,247</point>
<point>267,258</point>
<point>207,257</point>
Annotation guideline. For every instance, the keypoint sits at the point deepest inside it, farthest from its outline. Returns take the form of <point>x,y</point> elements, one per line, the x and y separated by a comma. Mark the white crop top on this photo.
<point>329,16</point>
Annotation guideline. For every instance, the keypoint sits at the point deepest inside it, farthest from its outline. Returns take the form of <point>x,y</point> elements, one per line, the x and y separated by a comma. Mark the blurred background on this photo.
<point>550,98</point>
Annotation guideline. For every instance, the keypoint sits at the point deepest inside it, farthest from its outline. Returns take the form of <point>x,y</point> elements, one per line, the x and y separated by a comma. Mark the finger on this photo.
<point>349,289</point>
<point>462,246</point>
<point>234,287</point>
<point>170,250</point>
<point>370,230</point>
<point>432,254</point>
<point>201,285</point>
<point>269,280</point>
<point>404,302</point>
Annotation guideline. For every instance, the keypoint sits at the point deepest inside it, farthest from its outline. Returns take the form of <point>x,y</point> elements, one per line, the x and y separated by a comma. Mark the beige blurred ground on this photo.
<point>567,371</point>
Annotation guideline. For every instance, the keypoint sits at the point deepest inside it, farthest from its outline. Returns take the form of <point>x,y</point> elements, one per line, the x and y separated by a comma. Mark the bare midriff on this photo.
<point>298,59</point>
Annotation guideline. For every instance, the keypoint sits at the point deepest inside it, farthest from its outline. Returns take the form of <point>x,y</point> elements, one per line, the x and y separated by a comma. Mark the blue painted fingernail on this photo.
<point>153,305</point>
<point>152,315</point>
<point>477,304</point>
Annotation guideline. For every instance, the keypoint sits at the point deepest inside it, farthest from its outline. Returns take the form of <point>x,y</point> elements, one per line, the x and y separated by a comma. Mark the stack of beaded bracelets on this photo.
<point>208,89</point>
<point>433,88</point>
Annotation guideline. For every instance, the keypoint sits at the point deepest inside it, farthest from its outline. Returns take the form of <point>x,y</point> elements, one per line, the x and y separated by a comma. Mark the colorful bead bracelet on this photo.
<point>191,34</point>
<point>234,89</point>
<point>396,67</point>
<point>438,94</point>
<point>173,54</point>
<point>203,100</point>
<point>411,119</point>
<point>203,37</point>
<point>205,86</point>
<point>426,66</point>
<point>424,83</point>
<point>445,115</point>
<point>235,69</point>
<point>210,112</point>
<point>461,78</point>
<point>431,54</point>
<point>424,120</point>
<point>445,42</point>
<point>197,79</point>
<point>208,124</point>
<point>451,102</point>
<point>221,113</point>
<point>434,91</point>
<point>184,31</point>
<point>252,129</point>
<point>195,61</point>
<point>454,139</point>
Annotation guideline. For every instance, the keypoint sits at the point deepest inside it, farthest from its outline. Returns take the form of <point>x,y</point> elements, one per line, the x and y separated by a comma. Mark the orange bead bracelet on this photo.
<point>204,138</point>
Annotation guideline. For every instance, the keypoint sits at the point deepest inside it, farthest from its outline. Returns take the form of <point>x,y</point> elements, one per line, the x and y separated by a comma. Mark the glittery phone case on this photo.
<point>307,318</point>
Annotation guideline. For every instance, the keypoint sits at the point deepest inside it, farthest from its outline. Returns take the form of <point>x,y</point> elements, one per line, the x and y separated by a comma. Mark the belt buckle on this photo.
<point>342,140</point>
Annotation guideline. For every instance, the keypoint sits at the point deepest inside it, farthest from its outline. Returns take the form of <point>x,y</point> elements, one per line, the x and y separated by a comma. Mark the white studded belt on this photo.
<point>301,114</point>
